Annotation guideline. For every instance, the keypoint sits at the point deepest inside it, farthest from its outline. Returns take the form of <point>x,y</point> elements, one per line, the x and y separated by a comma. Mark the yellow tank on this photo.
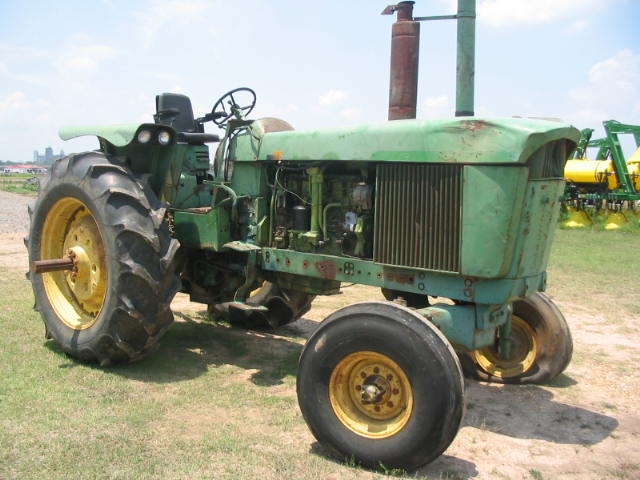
<point>591,171</point>
<point>601,171</point>
<point>633,165</point>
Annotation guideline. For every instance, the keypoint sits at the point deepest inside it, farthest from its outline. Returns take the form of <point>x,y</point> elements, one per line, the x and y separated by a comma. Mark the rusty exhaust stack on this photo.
<point>405,39</point>
<point>405,43</point>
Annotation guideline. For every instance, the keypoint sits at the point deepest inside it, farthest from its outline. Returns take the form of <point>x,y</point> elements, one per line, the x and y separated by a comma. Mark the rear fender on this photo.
<point>146,149</point>
<point>114,137</point>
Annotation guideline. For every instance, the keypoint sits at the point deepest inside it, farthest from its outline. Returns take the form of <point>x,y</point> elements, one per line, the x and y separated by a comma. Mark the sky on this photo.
<point>315,64</point>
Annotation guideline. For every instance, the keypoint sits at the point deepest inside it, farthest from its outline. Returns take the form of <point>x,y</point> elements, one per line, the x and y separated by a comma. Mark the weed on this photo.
<point>453,475</point>
<point>393,472</point>
<point>535,474</point>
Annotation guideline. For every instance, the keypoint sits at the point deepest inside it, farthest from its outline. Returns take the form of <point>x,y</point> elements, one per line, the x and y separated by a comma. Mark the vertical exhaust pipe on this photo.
<point>465,63</point>
<point>405,41</point>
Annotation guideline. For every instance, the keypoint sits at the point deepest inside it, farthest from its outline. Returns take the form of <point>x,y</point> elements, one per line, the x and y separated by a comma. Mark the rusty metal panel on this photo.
<point>417,219</point>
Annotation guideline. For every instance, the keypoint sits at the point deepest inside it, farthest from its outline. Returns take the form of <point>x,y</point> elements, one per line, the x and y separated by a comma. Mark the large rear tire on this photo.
<point>114,304</point>
<point>379,385</point>
<point>541,346</point>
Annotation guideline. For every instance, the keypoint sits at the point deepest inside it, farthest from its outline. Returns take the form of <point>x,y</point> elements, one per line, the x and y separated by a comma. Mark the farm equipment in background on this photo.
<point>607,186</point>
<point>453,220</point>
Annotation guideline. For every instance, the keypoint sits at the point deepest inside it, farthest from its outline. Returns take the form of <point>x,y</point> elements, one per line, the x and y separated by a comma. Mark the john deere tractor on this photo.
<point>453,221</point>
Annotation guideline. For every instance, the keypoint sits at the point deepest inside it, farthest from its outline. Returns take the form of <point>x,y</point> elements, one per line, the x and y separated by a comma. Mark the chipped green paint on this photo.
<point>473,140</point>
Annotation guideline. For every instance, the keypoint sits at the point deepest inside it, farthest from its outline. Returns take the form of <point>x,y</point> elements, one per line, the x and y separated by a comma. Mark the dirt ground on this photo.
<point>584,426</point>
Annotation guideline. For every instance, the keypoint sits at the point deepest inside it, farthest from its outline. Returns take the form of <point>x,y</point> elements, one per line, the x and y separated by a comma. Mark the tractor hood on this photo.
<point>471,141</point>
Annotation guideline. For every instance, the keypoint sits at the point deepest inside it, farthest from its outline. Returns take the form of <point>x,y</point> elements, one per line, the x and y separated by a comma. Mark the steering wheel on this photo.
<point>237,103</point>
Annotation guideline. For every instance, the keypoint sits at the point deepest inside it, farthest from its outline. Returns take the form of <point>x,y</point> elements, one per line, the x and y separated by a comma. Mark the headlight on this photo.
<point>144,136</point>
<point>164,137</point>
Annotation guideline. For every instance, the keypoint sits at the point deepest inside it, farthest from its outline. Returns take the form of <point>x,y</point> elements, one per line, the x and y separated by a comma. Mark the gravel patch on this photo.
<point>14,226</point>
<point>14,217</point>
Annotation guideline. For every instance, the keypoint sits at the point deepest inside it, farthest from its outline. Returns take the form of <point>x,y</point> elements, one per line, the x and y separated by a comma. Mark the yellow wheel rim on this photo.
<point>523,354</point>
<point>76,295</point>
<point>371,395</point>
<point>255,291</point>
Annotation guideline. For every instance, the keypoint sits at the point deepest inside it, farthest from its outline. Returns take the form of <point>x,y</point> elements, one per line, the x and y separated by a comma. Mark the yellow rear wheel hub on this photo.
<point>371,395</point>
<point>76,295</point>
<point>524,351</point>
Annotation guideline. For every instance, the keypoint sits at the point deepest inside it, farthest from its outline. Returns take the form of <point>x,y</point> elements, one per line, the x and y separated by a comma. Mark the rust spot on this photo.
<point>437,314</point>
<point>327,269</point>
<point>474,125</point>
<point>199,210</point>
<point>402,278</point>
<point>471,125</point>
<point>469,290</point>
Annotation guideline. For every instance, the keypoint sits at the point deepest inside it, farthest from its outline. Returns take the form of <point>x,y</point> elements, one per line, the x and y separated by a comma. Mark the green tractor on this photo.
<point>453,220</point>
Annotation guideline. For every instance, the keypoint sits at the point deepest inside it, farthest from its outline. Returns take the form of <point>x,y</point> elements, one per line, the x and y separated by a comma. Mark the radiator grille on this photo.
<point>417,219</point>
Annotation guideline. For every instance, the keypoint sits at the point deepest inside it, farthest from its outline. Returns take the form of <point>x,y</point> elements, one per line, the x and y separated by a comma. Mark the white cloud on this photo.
<point>621,71</point>
<point>333,97</point>
<point>86,57</point>
<point>579,25</point>
<point>437,102</point>
<point>17,105</point>
<point>14,103</point>
<point>292,107</point>
<point>17,61</point>
<point>351,113</point>
<point>501,13</point>
<point>165,15</point>
<point>437,107</point>
<point>611,91</point>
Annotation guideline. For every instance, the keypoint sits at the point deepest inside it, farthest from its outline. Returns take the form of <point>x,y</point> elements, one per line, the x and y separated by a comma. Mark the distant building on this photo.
<point>48,157</point>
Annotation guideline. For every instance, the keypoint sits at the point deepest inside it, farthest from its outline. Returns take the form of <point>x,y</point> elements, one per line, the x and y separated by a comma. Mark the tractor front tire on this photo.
<point>380,385</point>
<point>541,346</point>
<point>114,304</point>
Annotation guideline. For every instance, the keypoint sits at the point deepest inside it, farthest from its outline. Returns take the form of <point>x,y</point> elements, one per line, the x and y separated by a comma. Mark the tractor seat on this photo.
<point>174,110</point>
